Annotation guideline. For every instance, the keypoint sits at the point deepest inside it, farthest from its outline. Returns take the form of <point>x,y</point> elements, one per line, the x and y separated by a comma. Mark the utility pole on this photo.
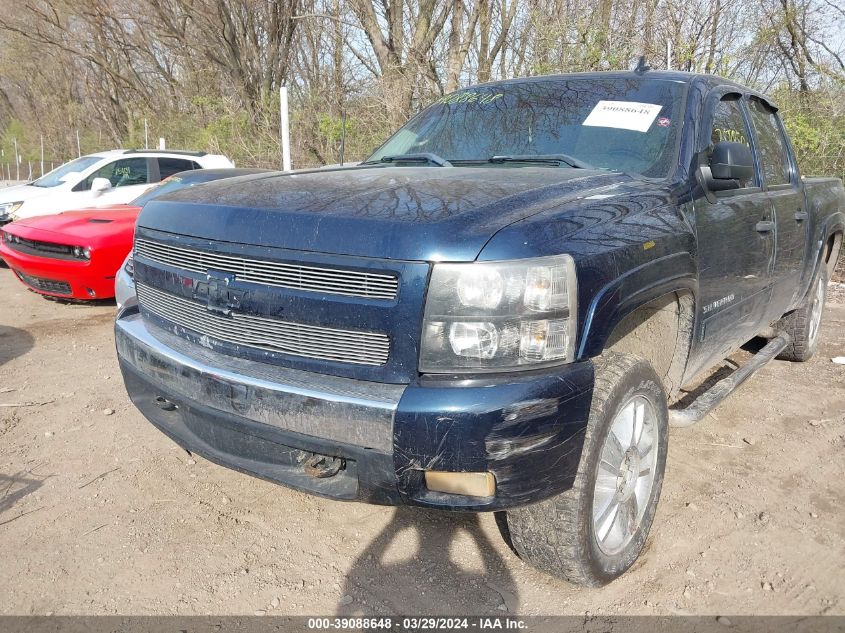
<point>668,54</point>
<point>17,161</point>
<point>146,135</point>
<point>284,128</point>
<point>78,145</point>
<point>343,138</point>
<point>42,154</point>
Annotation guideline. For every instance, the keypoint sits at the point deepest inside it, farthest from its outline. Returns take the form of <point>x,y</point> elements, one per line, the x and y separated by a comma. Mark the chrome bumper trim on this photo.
<point>328,407</point>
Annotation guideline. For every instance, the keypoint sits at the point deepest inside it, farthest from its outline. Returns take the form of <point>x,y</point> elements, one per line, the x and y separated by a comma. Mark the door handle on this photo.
<point>766,226</point>
<point>801,215</point>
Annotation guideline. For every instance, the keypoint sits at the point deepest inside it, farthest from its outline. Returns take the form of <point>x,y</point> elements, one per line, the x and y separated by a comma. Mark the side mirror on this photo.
<point>99,185</point>
<point>731,161</point>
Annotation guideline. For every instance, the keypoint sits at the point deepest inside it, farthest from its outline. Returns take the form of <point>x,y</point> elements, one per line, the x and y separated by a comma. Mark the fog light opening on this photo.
<point>467,484</point>
<point>90,292</point>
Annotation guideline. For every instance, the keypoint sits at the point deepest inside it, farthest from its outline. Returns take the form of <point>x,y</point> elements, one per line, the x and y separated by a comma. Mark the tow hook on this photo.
<point>322,466</point>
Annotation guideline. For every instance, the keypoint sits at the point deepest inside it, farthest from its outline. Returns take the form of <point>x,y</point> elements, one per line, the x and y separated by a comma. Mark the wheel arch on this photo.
<point>826,250</point>
<point>832,249</point>
<point>640,310</point>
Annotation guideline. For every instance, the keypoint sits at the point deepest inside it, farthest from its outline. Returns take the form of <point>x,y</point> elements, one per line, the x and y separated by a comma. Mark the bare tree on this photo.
<point>206,73</point>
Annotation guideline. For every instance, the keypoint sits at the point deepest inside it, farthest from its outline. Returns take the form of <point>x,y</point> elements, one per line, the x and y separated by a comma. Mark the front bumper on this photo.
<point>79,278</point>
<point>526,429</point>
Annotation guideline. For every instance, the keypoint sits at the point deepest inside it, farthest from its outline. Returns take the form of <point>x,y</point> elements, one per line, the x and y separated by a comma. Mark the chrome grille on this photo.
<point>338,281</point>
<point>298,339</point>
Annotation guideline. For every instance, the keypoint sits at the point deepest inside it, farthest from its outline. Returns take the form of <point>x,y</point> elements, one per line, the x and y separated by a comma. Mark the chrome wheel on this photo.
<point>626,474</point>
<point>816,313</point>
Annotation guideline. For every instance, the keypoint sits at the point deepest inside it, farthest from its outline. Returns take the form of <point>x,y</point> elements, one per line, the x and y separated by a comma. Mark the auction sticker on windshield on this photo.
<point>623,115</point>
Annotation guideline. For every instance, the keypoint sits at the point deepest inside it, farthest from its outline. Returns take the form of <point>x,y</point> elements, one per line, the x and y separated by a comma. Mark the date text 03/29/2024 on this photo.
<point>417,623</point>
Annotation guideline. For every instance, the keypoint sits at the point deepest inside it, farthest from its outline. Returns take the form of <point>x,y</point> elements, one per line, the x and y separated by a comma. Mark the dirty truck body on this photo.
<point>469,320</point>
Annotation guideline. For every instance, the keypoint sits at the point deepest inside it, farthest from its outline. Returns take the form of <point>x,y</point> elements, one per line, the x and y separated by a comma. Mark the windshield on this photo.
<point>174,183</point>
<point>54,178</point>
<point>617,124</point>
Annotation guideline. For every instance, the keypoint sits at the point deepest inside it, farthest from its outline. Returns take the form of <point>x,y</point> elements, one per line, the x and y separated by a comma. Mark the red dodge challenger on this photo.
<point>76,254</point>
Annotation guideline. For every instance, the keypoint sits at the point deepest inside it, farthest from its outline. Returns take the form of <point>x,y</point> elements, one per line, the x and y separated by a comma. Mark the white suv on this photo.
<point>105,178</point>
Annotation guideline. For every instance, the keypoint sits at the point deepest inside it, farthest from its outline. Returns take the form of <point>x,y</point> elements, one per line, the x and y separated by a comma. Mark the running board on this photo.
<point>711,398</point>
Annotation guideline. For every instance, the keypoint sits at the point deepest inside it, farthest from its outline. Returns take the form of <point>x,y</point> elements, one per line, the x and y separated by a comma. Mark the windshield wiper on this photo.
<point>422,157</point>
<point>542,158</point>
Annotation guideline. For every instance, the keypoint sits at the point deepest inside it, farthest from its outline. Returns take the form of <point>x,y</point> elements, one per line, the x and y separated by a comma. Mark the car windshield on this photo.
<point>54,178</point>
<point>617,124</point>
<point>174,183</point>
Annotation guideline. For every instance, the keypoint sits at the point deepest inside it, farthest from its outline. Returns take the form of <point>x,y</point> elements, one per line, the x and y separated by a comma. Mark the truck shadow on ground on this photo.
<point>13,343</point>
<point>431,563</point>
<point>13,489</point>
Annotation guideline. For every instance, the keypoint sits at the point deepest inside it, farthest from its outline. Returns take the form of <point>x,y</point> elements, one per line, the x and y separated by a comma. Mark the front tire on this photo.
<point>803,324</point>
<point>592,533</point>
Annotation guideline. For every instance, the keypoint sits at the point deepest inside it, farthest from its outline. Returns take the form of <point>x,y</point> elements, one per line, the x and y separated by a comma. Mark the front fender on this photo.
<point>634,288</point>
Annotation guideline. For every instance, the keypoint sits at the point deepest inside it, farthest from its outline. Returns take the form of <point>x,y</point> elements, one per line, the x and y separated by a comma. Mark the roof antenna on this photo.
<point>641,66</point>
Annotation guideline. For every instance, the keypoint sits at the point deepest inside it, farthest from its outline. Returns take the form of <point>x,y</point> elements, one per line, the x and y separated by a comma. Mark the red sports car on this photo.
<point>76,254</point>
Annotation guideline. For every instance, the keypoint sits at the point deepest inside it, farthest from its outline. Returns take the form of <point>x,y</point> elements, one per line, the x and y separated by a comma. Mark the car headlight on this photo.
<point>129,265</point>
<point>82,252</point>
<point>7,209</point>
<point>500,315</point>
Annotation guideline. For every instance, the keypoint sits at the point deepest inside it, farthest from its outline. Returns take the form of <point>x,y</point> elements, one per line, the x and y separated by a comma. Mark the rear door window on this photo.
<point>169,166</point>
<point>771,144</point>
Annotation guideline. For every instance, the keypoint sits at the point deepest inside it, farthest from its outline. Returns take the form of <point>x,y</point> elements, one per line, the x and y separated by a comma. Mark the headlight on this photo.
<point>129,266</point>
<point>499,315</point>
<point>7,209</point>
<point>82,252</point>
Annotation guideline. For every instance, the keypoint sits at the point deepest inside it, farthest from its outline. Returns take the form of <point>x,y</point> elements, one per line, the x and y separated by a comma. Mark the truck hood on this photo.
<point>406,213</point>
<point>86,226</point>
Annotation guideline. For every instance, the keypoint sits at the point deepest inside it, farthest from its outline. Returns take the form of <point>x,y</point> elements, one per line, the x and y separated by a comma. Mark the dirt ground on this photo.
<point>102,514</point>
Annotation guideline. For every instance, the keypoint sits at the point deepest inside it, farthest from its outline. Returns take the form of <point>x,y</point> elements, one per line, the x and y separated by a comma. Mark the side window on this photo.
<point>729,125</point>
<point>122,173</point>
<point>774,158</point>
<point>169,166</point>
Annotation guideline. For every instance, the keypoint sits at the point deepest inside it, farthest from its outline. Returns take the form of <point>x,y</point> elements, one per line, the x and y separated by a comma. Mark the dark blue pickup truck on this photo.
<point>496,311</point>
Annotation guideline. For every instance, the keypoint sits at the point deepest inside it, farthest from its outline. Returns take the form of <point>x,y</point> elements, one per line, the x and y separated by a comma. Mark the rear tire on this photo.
<point>803,324</point>
<point>577,535</point>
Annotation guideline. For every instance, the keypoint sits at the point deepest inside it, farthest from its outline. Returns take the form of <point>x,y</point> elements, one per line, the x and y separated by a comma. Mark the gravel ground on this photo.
<point>102,514</point>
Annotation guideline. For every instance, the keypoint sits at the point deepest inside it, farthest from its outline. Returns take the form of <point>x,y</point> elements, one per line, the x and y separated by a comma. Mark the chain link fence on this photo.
<point>28,169</point>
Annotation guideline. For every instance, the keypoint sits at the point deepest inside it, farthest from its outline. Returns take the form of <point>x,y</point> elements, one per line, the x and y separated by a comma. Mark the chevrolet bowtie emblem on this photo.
<point>217,294</point>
